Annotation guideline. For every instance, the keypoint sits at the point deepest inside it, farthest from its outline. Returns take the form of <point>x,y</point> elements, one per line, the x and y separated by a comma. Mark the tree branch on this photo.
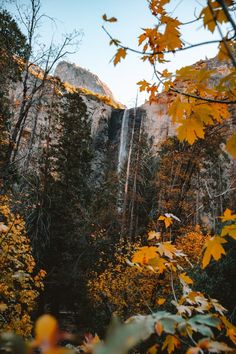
<point>207,99</point>
<point>164,51</point>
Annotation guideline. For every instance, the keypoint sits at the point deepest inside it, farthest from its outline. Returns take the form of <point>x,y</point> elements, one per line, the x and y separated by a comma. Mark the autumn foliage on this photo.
<point>20,283</point>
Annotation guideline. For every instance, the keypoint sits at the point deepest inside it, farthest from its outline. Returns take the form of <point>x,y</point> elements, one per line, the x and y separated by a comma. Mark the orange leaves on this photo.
<point>190,130</point>
<point>144,255</point>
<point>166,249</point>
<point>161,38</point>
<point>212,14</point>
<point>185,278</point>
<point>229,230</point>
<point>18,287</point>
<point>227,216</point>
<point>167,220</point>
<point>193,117</point>
<point>153,235</point>
<point>171,343</point>
<point>143,85</point>
<point>121,53</point>
<point>179,110</point>
<point>213,249</point>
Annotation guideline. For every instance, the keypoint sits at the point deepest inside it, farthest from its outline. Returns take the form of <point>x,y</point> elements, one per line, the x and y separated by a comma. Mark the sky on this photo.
<point>94,52</point>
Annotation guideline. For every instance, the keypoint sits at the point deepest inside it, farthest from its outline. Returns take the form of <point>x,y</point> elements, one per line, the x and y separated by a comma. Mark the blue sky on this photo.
<point>94,51</point>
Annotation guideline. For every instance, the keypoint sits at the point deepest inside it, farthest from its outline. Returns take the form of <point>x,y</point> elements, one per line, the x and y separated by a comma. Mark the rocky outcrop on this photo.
<point>81,78</point>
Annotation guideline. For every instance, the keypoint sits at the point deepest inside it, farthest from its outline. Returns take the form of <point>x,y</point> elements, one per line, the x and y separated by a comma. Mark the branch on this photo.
<point>207,99</point>
<point>213,100</point>
<point>221,34</point>
<point>227,14</point>
<point>164,51</point>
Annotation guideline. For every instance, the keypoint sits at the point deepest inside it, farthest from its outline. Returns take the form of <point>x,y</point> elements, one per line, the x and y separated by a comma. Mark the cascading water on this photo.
<point>123,141</point>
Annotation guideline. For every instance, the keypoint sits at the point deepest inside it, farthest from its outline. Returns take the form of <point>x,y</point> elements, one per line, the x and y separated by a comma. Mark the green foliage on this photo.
<point>12,46</point>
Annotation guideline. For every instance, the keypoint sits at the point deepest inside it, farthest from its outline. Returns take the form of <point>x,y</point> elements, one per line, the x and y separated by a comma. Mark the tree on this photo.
<point>12,45</point>
<point>35,66</point>
<point>199,97</point>
<point>66,171</point>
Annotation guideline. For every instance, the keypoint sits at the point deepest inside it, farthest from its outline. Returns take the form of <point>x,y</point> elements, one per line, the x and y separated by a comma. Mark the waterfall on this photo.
<point>123,141</point>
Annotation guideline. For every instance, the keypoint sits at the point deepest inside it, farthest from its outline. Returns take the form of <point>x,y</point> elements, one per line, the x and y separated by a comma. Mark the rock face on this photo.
<point>81,78</point>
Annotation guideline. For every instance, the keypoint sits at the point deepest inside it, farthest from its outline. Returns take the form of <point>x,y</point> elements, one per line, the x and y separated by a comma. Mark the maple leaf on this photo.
<point>143,85</point>
<point>227,216</point>
<point>179,110</point>
<point>229,230</point>
<point>185,278</point>
<point>111,19</point>
<point>121,53</point>
<point>167,220</point>
<point>213,249</point>
<point>144,254</point>
<point>231,145</point>
<point>190,130</point>
<point>208,20</point>
<point>166,249</point>
<point>153,235</point>
<point>170,343</point>
<point>158,264</point>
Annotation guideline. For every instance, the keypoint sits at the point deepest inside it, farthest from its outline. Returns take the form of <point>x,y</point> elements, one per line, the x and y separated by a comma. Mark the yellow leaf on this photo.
<point>170,343</point>
<point>190,130</point>
<point>160,301</point>
<point>179,110</point>
<point>143,85</point>
<point>229,230</point>
<point>185,278</point>
<point>153,235</point>
<point>121,53</point>
<point>208,19</point>
<point>158,264</point>
<point>167,220</point>
<point>166,249</point>
<point>231,145</point>
<point>144,254</point>
<point>213,248</point>
<point>111,19</point>
<point>227,216</point>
